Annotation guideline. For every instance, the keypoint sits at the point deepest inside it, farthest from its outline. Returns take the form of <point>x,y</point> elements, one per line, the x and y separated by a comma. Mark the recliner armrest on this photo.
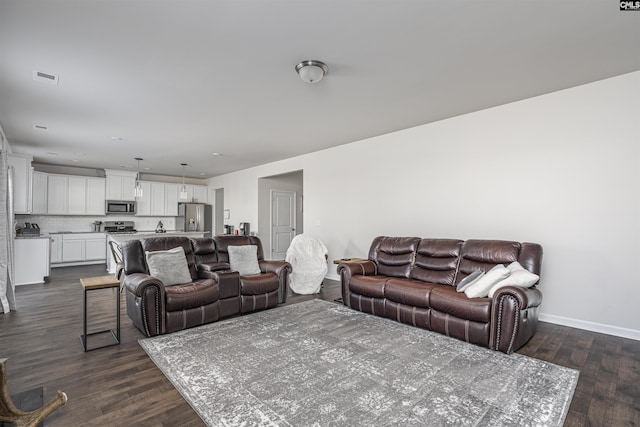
<point>348,269</point>
<point>282,269</point>
<point>274,266</point>
<point>363,268</point>
<point>514,317</point>
<point>136,283</point>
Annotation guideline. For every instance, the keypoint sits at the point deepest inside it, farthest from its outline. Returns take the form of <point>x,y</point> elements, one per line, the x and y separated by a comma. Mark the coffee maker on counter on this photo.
<point>244,229</point>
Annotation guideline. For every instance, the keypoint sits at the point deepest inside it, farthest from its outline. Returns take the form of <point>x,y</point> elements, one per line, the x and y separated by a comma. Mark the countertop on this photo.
<point>138,233</point>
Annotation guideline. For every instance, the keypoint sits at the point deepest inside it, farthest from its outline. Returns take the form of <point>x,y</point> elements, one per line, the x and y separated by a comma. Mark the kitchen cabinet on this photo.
<point>152,202</point>
<point>57,194</point>
<point>95,203</point>
<point>95,248</point>
<point>21,165</point>
<point>55,251</point>
<point>143,204</point>
<point>195,193</point>
<point>80,247</point>
<point>31,260</point>
<point>120,185</point>
<point>171,194</point>
<point>158,199</point>
<point>39,193</point>
<point>72,250</point>
<point>75,195</point>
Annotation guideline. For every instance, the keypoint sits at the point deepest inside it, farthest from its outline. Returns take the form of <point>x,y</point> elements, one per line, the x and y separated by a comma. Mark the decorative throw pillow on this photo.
<point>469,280</point>
<point>481,287</point>
<point>519,277</point>
<point>244,259</point>
<point>169,266</point>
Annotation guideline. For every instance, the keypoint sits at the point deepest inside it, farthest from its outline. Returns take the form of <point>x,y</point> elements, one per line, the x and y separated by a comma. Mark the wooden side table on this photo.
<point>92,284</point>
<point>348,260</point>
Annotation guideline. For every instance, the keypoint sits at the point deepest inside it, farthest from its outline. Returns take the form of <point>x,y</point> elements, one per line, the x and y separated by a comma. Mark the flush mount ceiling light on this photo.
<point>312,71</point>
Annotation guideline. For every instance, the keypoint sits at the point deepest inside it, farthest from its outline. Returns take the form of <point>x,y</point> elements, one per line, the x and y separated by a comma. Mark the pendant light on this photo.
<point>183,189</point>
<point>137,191</point>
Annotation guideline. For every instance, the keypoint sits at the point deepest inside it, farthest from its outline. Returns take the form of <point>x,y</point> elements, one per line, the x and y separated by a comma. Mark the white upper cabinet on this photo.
<point>120,185</point>
<point>57,195</point>
<point>95,196</point>
<point>143,204</point>
<point>75,195</point>
<point>195,193</point>
<point>39,184</point>
<point>21,182</point>
<point>171,199</point>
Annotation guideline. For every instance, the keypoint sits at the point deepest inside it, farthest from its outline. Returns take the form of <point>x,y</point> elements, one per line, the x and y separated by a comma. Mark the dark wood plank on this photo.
<point>120,385</point>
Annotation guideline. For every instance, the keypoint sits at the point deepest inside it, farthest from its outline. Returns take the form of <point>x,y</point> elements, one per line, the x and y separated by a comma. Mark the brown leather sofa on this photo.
<point>215,291</point>
<point>413,281</point>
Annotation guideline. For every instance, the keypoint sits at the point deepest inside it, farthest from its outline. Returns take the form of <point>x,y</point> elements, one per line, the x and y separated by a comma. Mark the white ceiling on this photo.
<point>178,80</point>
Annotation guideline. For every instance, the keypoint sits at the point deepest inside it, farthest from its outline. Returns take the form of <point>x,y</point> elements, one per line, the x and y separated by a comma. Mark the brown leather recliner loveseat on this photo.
<point>213,292</point>
<point>413,281</point>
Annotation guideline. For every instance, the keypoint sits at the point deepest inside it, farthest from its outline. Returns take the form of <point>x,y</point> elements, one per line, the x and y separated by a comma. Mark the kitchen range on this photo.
<point>119,227</point>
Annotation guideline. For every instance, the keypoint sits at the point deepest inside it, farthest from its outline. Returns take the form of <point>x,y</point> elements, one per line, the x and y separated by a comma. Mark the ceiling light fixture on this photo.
<point>312,71</point>
<point>137,191</point>
<point>183,190</point>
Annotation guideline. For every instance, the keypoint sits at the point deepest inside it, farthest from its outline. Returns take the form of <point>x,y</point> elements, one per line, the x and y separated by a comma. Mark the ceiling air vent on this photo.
<point>41,77</point>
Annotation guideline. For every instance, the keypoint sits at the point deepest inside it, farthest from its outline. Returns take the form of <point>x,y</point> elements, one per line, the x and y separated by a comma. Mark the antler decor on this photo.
<point>10,414</point>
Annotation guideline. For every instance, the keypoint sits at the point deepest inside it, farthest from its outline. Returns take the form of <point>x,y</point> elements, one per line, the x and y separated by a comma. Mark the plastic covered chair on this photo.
<point>308,257</point>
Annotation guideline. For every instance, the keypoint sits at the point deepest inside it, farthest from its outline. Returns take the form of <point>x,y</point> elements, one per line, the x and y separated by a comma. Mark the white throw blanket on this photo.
<point>308,257</point>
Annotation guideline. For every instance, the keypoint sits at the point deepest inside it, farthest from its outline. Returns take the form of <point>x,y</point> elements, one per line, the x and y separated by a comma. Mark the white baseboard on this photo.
<point>617,331</point>
<point>332,277</point>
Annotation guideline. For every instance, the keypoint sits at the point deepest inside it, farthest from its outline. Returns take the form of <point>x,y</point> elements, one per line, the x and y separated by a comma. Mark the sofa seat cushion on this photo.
<point>190,295</point>
<point>369,286</point>
<point>409,292</point>
<point>446,300</point>
<point>258,284</point>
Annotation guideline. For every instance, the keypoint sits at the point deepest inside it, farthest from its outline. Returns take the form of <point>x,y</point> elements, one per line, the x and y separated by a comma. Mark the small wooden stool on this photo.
<point>92,284</point>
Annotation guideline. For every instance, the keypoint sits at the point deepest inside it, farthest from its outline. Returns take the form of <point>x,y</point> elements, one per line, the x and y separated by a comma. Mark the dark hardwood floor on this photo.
<point>121,386</point>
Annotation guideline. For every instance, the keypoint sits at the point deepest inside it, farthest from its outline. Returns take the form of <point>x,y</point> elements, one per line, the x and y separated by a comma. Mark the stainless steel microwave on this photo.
<point>121,207</point>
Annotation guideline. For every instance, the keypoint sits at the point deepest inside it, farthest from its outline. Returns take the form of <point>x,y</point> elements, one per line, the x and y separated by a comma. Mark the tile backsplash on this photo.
<point>57,223</point>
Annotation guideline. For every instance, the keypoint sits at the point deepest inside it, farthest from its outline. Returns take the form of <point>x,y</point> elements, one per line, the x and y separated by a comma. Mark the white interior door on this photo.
<point>283,222</point>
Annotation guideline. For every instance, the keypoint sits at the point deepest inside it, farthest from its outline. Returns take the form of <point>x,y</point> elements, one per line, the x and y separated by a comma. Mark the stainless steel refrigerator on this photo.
<point>194,217</point>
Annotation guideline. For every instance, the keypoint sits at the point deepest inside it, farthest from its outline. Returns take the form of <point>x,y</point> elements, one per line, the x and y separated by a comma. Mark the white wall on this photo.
<point>561,169</point>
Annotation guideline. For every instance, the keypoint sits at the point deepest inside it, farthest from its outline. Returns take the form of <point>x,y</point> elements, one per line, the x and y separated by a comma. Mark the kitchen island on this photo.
<point>121,238</point>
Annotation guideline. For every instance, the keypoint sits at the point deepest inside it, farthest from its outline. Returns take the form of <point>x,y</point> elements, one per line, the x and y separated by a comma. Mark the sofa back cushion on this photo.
<point>204,249</point>
<point>165,243</point>
<point>483,255</point>
<point>223,242</point>
<point>394,256</point>
<point>437,260</point>
<point>133,257</point>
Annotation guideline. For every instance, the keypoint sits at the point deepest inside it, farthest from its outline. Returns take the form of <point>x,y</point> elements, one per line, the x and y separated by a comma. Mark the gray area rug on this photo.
<point>318,363</point>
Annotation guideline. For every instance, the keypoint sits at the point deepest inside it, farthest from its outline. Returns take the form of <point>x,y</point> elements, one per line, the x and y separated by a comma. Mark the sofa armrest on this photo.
<point>514,317</point>
<point>353,268</point>
<point>145,302</point>
<point>212,266</point>
<point>282,269</point>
